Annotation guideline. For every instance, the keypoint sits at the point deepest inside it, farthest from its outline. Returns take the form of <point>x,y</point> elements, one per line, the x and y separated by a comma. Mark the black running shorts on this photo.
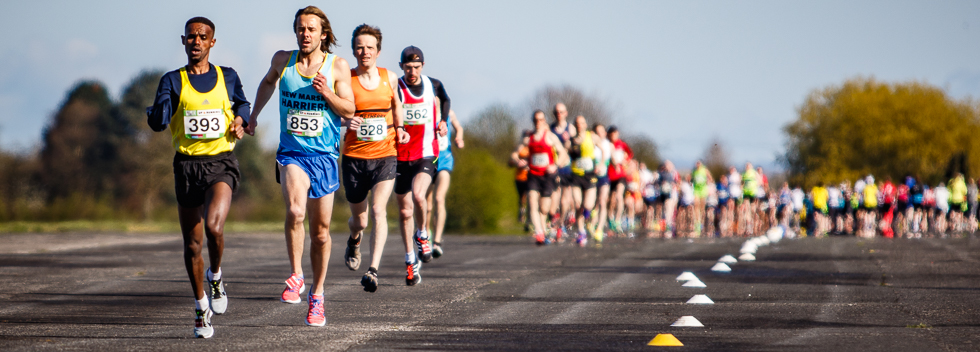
<point>406,170</point>
<point>544,185</point>
<point>584,182</point>
<point>360,175</point>
<point>521,187</point>
<point>194,175</point>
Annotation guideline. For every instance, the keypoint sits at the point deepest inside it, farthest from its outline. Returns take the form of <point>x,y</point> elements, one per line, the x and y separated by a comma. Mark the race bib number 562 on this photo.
<point>416,114</point>
<point>204,124</point>
<point>373,130</point>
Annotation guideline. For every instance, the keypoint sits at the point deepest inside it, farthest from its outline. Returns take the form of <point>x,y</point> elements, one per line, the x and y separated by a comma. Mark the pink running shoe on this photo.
<point>294,287</point>
<point>315,316</point>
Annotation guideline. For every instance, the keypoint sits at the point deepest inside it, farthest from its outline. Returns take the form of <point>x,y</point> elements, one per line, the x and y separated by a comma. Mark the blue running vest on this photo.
<point>298,98</point>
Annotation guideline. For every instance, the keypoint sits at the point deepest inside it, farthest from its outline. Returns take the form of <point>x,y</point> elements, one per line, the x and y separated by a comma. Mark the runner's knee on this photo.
<point>295,214</point>
<point>319,237</point>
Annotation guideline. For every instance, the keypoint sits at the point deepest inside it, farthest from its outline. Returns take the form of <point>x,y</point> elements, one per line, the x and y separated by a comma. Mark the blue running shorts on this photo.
<point>321,168</point>
<point>445,162</point>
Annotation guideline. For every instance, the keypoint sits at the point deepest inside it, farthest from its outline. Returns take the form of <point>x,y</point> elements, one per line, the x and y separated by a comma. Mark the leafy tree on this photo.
<point>146,175</point>
<point>82,144</point>
<point>593,107</point>
<point>482,196</point>
<point>493,129</point>
<point>716,158</point>
<point>259,197</point>
<point>865,126</point>
<point>644,149</point>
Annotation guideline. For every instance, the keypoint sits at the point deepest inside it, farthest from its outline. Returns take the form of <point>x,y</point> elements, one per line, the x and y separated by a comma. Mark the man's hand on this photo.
<point>442,128</point>
<point>402,135</point>
<point>236,128</point>
<point>552,169</point>
<point>354,123</point>
<point>250,129</point>
<point>521,164</point>
<point>320,84</point>
<point>459,142</point>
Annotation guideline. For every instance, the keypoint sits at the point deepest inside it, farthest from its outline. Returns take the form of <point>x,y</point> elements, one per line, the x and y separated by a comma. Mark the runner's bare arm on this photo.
<point>515,157</point>
<point>458,127</point>
<point>398,114</point>
<point>341,102</point>
<point>266,87</point>
<point>441,127</point>
<point>562,153</point>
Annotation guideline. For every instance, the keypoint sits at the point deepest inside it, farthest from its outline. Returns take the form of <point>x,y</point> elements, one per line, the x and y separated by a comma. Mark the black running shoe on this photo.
<point>370,280</point>
<point>436,249</point>
<point>352,256</point>
<point>413,277</point>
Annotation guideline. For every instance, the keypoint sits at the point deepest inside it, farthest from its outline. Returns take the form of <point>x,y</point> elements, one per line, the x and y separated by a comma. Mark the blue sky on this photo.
<point>680,71</point>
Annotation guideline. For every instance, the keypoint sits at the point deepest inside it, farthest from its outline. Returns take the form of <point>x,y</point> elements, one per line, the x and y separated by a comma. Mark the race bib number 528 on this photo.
<point>204,124</point>
<point>373,130</point>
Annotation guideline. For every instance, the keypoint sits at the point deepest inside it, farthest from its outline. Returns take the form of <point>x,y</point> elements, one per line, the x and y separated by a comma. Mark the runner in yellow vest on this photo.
<point>205,107</point>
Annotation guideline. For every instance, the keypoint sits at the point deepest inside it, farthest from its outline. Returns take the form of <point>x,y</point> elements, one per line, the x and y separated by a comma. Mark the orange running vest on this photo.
<point>368,104</point>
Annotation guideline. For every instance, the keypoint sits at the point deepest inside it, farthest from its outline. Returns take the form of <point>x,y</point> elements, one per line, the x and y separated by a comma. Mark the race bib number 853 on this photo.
<point>304,123</point>
<point>204,124</point>
<point>373,130</point>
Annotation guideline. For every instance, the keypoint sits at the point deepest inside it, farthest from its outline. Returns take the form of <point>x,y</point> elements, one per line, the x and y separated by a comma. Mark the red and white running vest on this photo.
<point>421,122</point>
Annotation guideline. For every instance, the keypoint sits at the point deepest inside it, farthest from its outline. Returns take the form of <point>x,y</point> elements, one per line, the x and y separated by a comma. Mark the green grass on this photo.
<point>121,226</point>
<point>125,226</point>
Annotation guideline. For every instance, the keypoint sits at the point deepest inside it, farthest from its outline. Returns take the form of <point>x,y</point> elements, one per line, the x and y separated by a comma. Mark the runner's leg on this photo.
<point>218,202</point>
<point>192,230</point>
<point>599,222</point>
<point>295,192</point>
<point>441,189</point>
<point>320,210</point>
<point>379,201</point>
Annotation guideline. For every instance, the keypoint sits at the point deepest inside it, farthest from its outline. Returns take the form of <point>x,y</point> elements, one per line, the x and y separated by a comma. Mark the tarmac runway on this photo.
<point>130,292</point>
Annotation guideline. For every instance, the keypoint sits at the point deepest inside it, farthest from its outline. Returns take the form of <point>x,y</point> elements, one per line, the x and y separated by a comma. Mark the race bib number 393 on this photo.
<point>304,123</point>
<point>417,114</point>
<point>204,124</point>
<point>373,130</point>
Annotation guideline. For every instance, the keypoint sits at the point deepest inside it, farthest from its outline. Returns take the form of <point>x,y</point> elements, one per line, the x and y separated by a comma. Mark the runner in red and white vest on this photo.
<point>425,103</point>
<point>546,155</point>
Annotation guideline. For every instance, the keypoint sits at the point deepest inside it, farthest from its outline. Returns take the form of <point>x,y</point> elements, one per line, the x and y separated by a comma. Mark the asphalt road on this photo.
<point>130,292</point>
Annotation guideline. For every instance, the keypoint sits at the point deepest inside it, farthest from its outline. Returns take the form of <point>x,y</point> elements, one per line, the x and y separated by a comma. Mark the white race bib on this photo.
<point>650,191</point>
<point>373,130</point>
<point>618,156</point>
<point>585,164</point>
<point>540,159</point>
<point>304,123</point>
<point>417,114</point>
<point>204,124</point>
<point>443,142</point>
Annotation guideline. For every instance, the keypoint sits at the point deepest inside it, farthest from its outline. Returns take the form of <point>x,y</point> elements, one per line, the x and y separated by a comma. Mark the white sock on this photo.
<point>424,234</point>
<point>214,276</point>
<point>410,258</point>
<point>202,304</point>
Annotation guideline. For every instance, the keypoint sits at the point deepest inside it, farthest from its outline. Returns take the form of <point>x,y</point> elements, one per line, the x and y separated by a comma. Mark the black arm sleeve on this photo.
<point>165,103</point>
<point>239,103</point>
<point>440,91</point>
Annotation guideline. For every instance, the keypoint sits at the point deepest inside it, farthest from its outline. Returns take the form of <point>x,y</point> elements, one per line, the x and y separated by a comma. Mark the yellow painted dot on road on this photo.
<point>665,340</point>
